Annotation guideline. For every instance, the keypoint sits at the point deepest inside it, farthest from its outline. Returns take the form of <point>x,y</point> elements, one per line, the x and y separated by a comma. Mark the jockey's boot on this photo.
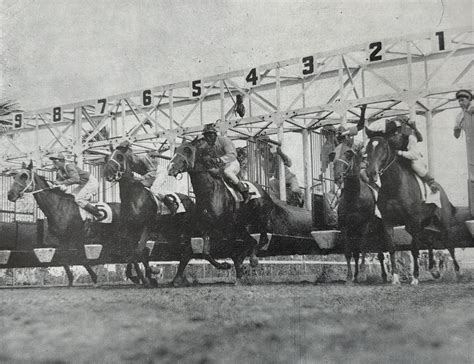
<point>94,211</point>
<point>171,203</point>
<point>430,181</point>
<point>244,190</point>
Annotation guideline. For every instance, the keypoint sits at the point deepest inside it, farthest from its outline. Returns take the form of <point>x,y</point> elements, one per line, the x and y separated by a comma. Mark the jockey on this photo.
<point>86,185</point>
<point>412,151</point>
<point>291,180</point>
<point>346,136</point>
<point>146,171</point>
<point>222,154</point>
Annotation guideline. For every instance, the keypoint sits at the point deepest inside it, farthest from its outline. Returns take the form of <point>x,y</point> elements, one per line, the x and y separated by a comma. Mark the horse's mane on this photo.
<point>55,191</point>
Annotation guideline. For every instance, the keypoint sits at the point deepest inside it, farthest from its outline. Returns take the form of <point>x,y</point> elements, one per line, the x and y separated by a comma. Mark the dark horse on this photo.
<point>64,219</point>
<point>219,215</point>
<point>356,210</point>
<point>400,201</point>
<point>141,220</point>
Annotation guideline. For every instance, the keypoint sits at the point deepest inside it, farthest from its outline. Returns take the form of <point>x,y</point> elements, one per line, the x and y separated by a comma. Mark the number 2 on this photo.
<point>374,55</point>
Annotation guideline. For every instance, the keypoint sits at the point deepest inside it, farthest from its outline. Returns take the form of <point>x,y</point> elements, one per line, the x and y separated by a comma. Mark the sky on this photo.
<point>56,52</point>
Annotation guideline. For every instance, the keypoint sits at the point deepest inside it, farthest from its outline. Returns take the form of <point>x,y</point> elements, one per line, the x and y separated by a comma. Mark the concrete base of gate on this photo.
<point>326,239</point>
<point>150,244</point>
<point>4,256</point>
<point>92,251</point>
<point>197,245</point>
<point>470,226</point>
<point>400,236</point>
<point>44,255</point>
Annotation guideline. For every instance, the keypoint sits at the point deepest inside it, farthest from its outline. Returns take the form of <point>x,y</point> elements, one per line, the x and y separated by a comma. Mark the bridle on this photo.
<point>32,184</point>
<point>391,158</point>
<point>121,168</point>
<point>348,166</point>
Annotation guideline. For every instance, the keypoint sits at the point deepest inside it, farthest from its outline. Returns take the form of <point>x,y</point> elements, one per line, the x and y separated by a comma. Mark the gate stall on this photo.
<point>296,102</point>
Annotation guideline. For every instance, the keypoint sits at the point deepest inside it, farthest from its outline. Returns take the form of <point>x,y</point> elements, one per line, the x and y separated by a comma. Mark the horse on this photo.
<point>400,201</point>
<point>219,215</point>
<point>356,209</point>
<point>64,219</point>
<point>139,213</point>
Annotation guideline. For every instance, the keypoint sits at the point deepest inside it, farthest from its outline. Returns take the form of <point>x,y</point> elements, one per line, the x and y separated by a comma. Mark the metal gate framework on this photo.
<point>403,75</point>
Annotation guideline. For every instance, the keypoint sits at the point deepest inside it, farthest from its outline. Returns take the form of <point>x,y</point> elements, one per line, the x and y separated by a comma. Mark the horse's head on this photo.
<point>118,163</point>
<point>343,158</point>
<point>23,181</point>
<point>380,156</point>
<point>183,159</point>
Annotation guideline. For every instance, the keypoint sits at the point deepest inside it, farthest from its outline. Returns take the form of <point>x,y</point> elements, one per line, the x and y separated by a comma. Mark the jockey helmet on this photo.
<point>209,128</point>
<point>57,156</point>
<point>464,93</point>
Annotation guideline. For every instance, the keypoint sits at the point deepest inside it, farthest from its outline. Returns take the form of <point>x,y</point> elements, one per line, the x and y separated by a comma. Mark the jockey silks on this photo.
<point>71,174</point>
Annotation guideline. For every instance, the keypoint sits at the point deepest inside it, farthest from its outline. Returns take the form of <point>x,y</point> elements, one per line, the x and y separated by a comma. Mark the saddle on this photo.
<point>253,191</point>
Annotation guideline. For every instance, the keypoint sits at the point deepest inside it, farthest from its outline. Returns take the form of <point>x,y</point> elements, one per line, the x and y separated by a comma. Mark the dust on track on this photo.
<point>272,323</point>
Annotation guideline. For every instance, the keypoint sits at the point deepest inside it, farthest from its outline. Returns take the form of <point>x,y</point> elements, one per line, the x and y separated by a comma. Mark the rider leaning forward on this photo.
<point>84,184</point>
<point>146,166</point>
<point>412,152</point>
<point>221,153</point>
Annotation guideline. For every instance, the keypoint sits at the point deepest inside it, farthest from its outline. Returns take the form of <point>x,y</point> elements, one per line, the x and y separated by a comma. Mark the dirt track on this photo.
<point>285,323</point>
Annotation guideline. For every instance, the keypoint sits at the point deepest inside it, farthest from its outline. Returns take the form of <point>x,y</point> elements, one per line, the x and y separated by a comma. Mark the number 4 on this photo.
<point>253,77</point>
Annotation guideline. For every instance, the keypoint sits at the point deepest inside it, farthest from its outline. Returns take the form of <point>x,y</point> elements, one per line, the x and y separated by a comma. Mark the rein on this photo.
<point>384,169</point>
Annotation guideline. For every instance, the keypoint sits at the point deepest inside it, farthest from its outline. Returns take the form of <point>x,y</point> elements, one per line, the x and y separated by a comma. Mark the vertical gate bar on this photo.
<point>281,137</point>
<point>306,168</point>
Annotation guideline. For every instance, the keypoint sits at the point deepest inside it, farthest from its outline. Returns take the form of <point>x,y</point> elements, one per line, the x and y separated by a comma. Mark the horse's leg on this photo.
<point>128,274</point>
<point>180,279</point>
<point>416,233</point>
<point>238,263</point>
<point>356,254</point>
<point>92,274</point>
<point>381,258</point>
<point>142,256</point>
<point>348,254</point>
<point>431,263</point>
<point>388,232</point>
<point>141,276</point>
<point>70,276</point>
<point>455,263</point>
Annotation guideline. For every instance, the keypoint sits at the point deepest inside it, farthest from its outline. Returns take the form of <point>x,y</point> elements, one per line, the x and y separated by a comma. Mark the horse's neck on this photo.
<point>392,179</point>
<point>137,164</point>
<point>206,187</point>
<point>352,178</point>
<point>51,204</point>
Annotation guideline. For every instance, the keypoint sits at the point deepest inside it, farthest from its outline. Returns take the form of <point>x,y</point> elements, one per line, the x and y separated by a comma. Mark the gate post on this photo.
<point>307,169</point>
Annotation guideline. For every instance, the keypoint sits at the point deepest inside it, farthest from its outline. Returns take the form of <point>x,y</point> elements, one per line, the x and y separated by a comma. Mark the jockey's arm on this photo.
<point>73,176</point>
<point>412,152</point>
<point>286,160</point>
<point>230,152</point>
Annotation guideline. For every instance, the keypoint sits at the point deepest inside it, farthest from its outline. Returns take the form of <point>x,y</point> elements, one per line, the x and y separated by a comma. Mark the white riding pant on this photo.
<point>231,170</point>
<point>83,194</point>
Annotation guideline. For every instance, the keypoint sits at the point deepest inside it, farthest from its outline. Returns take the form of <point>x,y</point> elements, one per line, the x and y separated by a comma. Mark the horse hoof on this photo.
<point>414,282</point>
<point>458,276</point>
<point>396,279</point>
<point>253,262</point>
<point>134,280</point>
<point>180,282</point>
<point>153,282</point>
<point>435,274</point>
<point>95,285</point>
